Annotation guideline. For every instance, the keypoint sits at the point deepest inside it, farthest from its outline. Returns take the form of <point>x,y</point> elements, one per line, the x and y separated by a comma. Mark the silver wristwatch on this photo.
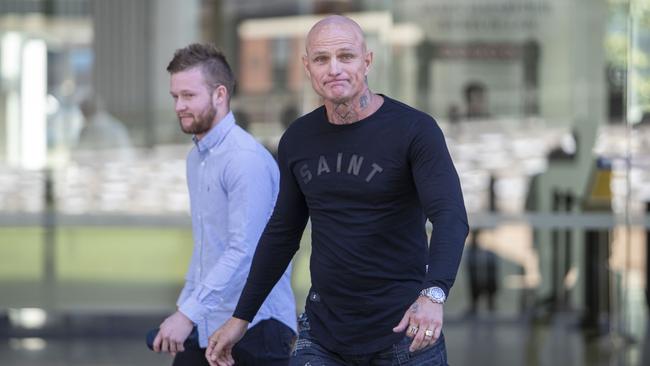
<point>435,294</point>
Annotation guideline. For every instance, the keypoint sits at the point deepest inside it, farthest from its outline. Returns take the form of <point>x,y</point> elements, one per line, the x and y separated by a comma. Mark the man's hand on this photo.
<point>173,332</point>
<point>220,343</point>
<point>422,322</point>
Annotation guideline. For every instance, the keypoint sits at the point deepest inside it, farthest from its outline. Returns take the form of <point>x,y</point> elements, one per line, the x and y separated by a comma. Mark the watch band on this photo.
<point>435,294</point>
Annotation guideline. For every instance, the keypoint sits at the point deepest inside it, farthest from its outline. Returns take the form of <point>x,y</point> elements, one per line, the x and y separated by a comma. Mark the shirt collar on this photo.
<point>216,134</point>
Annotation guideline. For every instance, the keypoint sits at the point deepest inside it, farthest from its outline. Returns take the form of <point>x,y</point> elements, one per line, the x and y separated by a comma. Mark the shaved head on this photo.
<point>336,21</point>
<point>337,63</point>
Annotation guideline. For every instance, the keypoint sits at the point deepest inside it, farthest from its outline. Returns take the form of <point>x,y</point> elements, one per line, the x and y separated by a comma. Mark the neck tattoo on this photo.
<point>346,113</point>
<point>364,100</point>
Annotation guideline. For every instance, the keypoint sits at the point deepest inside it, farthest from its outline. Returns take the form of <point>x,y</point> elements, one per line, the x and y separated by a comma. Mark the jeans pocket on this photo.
<point>433,355</point>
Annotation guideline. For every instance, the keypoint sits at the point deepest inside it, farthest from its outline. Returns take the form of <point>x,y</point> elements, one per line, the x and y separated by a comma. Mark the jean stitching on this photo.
<point>301,344</point>
<point>399,355</point>
<point>403,357</point>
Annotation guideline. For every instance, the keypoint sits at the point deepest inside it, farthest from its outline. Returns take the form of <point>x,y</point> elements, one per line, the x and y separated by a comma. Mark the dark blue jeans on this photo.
<point>268,343</point>
<point>307,351</point>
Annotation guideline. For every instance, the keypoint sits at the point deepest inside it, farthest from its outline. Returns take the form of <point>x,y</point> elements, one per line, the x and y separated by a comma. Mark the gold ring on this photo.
<point>413,329</point>
<point>428,333</point>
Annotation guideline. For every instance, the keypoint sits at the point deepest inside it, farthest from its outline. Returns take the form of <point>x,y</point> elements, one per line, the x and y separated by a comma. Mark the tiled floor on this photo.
<point>558,342</point>
<point>470,341</point>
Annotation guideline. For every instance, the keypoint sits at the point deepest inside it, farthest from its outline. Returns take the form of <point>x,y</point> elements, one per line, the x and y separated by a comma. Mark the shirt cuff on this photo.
<point>193,309</point>
<point>186,292</point>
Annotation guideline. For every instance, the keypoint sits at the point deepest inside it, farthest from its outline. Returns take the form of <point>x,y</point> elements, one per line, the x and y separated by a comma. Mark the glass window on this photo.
<point>545,105</point>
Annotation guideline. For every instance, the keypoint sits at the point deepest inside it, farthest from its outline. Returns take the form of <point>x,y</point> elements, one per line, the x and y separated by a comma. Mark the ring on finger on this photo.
<point>413,329</point>
<point>428,333</point>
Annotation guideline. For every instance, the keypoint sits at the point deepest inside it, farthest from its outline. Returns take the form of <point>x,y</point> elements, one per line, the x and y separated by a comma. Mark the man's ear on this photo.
<point>219,95</point>
<point>368,60</point>
<point>305,63</point>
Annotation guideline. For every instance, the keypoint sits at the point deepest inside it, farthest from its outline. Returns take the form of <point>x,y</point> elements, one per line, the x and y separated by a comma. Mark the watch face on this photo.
<point>438,293</point>
<point>435,294</point>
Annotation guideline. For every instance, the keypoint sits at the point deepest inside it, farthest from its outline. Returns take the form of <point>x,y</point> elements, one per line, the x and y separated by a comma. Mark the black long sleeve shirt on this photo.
<point>368,188</point>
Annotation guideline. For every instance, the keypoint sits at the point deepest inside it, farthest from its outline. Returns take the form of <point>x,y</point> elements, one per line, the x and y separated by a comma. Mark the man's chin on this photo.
<point>338,98</point>
<point>195,130</point>
<point>190,129</point>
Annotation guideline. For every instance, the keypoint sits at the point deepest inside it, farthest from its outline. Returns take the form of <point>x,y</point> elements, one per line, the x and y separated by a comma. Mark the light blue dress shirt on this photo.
<point>233,184</point>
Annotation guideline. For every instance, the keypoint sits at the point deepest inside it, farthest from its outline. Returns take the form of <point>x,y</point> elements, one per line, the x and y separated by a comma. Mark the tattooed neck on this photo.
<point>352,111</point>
<point>344,114</point>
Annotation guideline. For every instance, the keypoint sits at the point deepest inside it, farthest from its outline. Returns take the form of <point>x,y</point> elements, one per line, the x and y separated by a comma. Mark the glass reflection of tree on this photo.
<point>625,54</point>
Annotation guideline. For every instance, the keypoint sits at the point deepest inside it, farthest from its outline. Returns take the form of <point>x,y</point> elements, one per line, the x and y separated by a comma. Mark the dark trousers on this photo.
<point>268,343</point>
<point>309,351</point>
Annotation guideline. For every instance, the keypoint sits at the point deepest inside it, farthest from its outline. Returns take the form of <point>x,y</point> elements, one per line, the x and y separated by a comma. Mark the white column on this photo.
<point>33,89</point>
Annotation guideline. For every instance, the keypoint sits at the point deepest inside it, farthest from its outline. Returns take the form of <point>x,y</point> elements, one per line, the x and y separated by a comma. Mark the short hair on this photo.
<point>210,59</point>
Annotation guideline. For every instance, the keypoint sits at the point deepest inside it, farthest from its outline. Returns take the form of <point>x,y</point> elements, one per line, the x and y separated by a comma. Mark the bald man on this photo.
<point>368,171</point>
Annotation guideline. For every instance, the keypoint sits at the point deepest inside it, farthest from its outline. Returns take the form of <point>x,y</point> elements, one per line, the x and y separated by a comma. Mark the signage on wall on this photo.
<point>480,51</point>
<point>444,18</point>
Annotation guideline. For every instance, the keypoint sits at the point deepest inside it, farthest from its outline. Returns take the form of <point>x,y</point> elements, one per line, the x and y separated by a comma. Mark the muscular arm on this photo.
<point>440,195</point>
<point>442,200</point>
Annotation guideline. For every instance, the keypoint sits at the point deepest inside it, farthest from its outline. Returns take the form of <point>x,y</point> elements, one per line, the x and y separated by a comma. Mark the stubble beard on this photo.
<point>201,124</point>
